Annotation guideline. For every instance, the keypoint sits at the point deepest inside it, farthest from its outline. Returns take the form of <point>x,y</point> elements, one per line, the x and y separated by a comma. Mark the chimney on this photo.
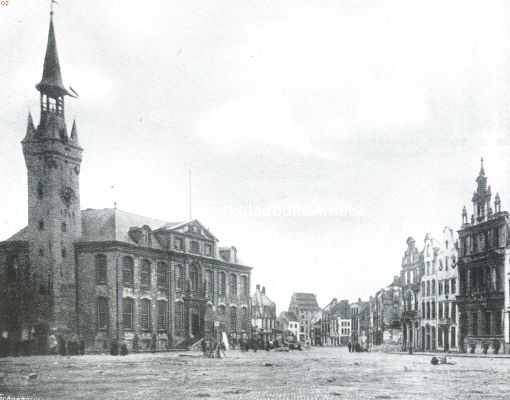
<point>258,288</point>
<point>263,290</point>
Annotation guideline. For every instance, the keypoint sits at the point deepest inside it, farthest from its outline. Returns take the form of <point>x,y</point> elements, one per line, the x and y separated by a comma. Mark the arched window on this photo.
<point>194,277</point>
<point>423,288</point>
<point>428,288</point>
<point>222,280</point>
<point>101,269</point>
<point>127,271</point>
<point>162,271</point>
<point>233,319</point>
<point>179,317</point>
<point>210,284</point>
<point>145,274</point>
<point>433,287</point>
<point>128,313</point>
<point>244,319</point>
<point>102,314</point>
<point>162,315</point>
<point>179,277</point>
<point>233,285</point>
<point>245,290</point>
<point>145,315</point>
<point>221,310</point>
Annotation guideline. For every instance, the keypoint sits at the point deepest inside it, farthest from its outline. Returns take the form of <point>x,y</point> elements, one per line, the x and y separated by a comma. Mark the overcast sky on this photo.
<point>321,134</point>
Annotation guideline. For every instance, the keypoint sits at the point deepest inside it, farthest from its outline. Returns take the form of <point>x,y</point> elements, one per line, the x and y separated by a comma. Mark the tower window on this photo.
<point>41,224</point>
<point>40,191</point>
<point>64,227</point>
<point>127,271</point>
<point>101,269</point>
<point>41,252</point>
<point>64,252</point>
<point>145,274</point>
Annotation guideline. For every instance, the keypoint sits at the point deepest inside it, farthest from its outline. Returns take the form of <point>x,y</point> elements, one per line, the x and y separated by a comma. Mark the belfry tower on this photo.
<point>53,159</point>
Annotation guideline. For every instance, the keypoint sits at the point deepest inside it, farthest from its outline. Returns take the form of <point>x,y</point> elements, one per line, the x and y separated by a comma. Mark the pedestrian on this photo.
<point>52,344</point>
<point>204,346</point>
<point>4,344</point>
<point>349,345</point>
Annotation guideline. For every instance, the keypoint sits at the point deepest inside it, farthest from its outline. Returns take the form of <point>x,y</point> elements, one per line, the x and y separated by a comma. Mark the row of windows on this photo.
<point>484,323</point>
<point>128,314</point>
<point>430,267</point>
<point>162,271</point>
<point>479,242</point>
<point>444,310</point>
<point>447,286</point>
<point>101,265</point>
<point>194,246</point>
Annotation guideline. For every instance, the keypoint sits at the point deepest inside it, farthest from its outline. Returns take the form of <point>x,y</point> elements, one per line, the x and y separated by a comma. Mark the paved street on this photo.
<point>319,373</point>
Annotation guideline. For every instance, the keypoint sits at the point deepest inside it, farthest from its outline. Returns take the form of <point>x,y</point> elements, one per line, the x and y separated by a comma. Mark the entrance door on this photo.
<point>195,323</point>
<point>446,343</point>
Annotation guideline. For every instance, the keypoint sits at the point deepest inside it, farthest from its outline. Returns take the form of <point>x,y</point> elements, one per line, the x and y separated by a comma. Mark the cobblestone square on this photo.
<point>317,373</point>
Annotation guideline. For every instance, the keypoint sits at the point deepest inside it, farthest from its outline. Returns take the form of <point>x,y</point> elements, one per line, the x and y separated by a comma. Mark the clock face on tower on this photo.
<point>67,195</point>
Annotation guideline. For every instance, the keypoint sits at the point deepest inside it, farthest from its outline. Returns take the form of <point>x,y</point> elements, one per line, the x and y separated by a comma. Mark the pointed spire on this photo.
<point>51,82</point>
<point>74,135</point>
<point>482,171</point>
<point>30,127</point>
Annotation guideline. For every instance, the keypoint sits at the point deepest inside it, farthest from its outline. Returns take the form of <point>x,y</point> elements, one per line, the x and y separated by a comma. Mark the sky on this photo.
<point>320,135</point>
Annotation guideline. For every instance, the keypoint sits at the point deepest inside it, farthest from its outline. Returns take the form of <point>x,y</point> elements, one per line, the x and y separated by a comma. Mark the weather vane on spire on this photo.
<point>51,5</point>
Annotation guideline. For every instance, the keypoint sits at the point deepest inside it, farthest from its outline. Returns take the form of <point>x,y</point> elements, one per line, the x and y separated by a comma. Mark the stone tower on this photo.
<point>53,161</point>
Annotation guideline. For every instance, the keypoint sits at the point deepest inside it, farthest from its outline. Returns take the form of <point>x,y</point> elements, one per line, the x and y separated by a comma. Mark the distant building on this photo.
<point>305,307</point>
<point>410,277</point>
<point>336,323</point>
<point>288,324</point>
<point>484,257</point>
<point>386,327</point>
<point>263,314</point>
<point>360,323</point>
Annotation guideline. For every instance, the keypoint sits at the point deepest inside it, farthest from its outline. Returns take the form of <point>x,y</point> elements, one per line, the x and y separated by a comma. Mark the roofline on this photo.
<point>90,246</point>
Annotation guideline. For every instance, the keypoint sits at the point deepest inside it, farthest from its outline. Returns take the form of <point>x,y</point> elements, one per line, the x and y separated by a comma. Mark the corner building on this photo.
<point>104,276</point>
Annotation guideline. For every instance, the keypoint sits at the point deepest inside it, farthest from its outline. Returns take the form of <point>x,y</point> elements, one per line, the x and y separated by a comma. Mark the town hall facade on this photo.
<point>104,276</point>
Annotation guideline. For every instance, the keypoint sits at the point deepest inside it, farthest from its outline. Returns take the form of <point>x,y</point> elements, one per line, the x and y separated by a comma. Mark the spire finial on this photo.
<point>51,6</point>
<point>482,171</point>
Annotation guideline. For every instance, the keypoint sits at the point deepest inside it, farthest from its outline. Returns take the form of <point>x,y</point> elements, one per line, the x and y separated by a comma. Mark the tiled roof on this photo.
<point>110,224</point>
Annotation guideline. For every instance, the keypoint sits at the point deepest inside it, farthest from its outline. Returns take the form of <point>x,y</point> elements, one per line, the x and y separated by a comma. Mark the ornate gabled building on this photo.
<point>483,256</point>
<point>263,315</point>
<point>439,287</point>
<point>99,277</point>
<point>410,276</point>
